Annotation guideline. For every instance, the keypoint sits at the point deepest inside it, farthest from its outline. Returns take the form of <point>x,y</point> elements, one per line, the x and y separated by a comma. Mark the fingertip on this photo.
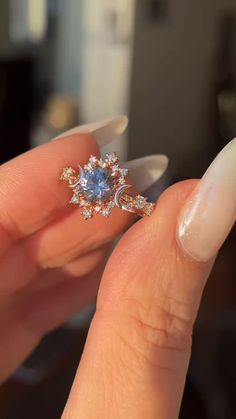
<point>146,307</point>
<point>150,249</point>
<point>29,184</point>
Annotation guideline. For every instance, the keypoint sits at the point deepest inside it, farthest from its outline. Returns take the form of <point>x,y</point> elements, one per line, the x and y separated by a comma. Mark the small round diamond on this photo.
<point>74,199</point>
<point>87,214</point>
<point>149,207</point>
<point>111,204</point>
<point>67,173</point>
<point>106,212</point>
<point>122,181</point>
<point>140,202</point>
<point>100,162</point>
<point>115,168</point>
<point>93,161</point>
<point>124,172</point>
<point>97,208</point>
<point>112,158</point>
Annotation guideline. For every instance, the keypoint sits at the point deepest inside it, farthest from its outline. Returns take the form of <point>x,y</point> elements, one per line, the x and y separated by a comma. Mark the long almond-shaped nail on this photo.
<point>105,131</point>
<point>210,212</point>
<point>145,171</point>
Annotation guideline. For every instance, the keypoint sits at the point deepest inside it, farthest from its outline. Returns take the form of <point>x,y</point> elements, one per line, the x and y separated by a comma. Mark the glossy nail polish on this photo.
<point>210,212</point>
<point>145,171</point>
<point>105,131</point>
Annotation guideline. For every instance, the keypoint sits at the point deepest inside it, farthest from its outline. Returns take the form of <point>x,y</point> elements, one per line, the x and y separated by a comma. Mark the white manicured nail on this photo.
<point>146,170</point>
<point>105,131</point>
<point>211,210</point>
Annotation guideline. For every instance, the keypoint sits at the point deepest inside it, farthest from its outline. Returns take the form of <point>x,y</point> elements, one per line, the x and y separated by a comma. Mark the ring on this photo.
<point>100,186</point>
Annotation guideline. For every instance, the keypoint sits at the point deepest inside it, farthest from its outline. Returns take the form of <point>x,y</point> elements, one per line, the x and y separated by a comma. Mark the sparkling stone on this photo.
<point>88,167</point>
<point>74,199</point>
<point>67,173</point>
<point>115,168</point>
<point>87,214</point>
<point>121,181</point>
<point>124,172</point>
<point>97,208</point>
<point>97,184</point>
<point>106,212</point>
<point>111,204</point>
<point>149,208</point>
<point>140,202</point>
<point>76,190</point>
<point>100,162</point>
<point>112,158</point>
<point>93,160</point>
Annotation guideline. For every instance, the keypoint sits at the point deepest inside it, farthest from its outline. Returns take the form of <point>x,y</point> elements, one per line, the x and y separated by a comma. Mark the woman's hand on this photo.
<point>137,352</point>
<point>50,258</point>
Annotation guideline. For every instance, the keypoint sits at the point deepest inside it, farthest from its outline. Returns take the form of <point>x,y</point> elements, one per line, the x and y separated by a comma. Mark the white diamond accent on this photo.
<point>74,199</point>
<point>67,173</point>
<point>112,158</point>
<point>97,208</point>
<point>149,208</point>
<point>106,212</point>
<point>122,181</point>
<point>140,202</point>
<point>93,161</point>
<point>124,172</point>
<point>111,204</point>
<point>100,162</point>
<point>87,214</point>
<point>115,168</point>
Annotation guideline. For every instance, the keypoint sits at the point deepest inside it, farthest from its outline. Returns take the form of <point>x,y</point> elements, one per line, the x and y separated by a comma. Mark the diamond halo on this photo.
<point>100,186</point>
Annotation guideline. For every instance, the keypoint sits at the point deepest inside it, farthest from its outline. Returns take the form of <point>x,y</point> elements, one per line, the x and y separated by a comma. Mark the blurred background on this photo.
<point>171,67</point>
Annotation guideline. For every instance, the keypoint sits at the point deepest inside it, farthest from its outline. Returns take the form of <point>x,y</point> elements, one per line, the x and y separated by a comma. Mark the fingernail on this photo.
<point>146,170</point>
<point>211,210</point>
<point>105,131</point>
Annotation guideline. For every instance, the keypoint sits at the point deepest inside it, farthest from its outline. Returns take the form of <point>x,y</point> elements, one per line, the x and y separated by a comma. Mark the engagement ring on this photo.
<point>101,185</point>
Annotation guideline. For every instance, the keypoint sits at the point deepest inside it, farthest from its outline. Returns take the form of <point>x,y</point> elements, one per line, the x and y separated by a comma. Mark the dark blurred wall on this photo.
<point>173,81</point>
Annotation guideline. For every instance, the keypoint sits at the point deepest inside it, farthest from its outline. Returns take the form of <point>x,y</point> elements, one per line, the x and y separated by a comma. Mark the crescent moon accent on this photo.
<point>81,170</point>
<point>118,192</point>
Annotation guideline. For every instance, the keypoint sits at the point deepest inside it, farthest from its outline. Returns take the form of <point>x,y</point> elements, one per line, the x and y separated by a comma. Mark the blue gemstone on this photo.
<point>97,185</point>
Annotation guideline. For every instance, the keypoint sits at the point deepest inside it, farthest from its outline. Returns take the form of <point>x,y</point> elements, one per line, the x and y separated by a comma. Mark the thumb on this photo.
<point>138,348</point>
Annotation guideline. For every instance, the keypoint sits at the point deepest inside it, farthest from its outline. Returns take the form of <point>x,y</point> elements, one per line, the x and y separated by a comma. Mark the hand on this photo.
<point>137,352</point>
<point>138,348</point>
<point>51,260</point>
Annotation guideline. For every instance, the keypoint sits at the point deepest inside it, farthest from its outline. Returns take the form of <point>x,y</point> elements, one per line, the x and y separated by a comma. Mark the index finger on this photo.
<point>29,193</point>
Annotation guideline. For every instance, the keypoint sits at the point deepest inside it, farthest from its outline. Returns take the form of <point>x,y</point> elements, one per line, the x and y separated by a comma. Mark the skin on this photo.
<point>137,352</point>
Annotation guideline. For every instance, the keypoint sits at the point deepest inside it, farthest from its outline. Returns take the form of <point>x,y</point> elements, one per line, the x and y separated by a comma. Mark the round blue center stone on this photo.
<point>97,185</point>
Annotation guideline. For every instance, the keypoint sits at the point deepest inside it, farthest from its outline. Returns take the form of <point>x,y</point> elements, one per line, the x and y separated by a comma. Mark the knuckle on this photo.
<point>168,324</point>
<point>162,332</point>
<point>151,334</point>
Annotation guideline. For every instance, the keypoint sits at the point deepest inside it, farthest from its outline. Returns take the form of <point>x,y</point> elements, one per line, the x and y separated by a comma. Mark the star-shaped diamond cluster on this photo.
<point>95,187</point>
